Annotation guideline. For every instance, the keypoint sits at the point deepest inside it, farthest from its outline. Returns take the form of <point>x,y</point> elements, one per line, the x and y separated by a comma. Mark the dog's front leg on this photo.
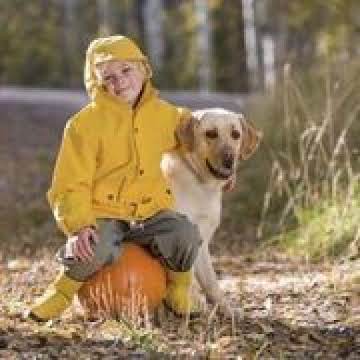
<point>206,277</point>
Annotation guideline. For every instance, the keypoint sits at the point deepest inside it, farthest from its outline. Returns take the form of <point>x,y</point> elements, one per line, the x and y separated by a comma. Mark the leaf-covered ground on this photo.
<point>292,310</point>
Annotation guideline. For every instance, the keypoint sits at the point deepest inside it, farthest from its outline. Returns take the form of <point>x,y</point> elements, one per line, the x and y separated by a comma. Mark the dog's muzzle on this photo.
<point>223,174</point>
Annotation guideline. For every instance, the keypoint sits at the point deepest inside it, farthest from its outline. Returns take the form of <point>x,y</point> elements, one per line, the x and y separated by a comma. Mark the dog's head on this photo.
<point>218,138</point>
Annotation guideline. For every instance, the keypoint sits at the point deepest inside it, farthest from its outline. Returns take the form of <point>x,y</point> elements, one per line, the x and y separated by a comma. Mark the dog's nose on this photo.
<point>228,160</point>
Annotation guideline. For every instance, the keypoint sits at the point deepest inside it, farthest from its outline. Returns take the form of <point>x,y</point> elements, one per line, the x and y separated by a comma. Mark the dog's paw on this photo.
<point>234,314</point>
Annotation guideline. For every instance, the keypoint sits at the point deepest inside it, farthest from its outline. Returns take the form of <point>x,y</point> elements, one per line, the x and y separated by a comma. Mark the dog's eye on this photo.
<point>211,134</point>
<point>235,134</point>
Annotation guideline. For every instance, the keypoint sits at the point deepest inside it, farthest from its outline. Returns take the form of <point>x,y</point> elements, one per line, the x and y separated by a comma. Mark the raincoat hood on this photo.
<point>116,47</point>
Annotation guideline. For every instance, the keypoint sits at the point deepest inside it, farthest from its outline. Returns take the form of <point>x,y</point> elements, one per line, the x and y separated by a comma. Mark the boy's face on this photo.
<point>123,79</point>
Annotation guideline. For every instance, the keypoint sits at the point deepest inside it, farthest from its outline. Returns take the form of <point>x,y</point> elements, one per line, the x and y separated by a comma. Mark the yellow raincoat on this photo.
<point>108,165</point>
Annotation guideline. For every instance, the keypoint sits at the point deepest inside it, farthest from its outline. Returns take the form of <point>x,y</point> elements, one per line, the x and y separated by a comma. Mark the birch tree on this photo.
<point>153,12</point>
<point>104,16</point>
<point>252,58</point>
<point>204,44</point>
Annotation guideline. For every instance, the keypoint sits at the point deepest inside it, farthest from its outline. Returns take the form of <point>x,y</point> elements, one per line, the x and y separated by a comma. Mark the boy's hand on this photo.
<point>80,245</point>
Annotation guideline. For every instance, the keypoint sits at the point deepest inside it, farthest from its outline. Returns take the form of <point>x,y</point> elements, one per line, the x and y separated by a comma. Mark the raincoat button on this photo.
<point>146,200</point>
<point>110,196</point>
<point>141,172</point>
<point>136,130</point>
<point>168,191</point>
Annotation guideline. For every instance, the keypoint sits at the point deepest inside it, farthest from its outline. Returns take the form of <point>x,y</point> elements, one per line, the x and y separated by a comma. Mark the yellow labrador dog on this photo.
<point>215,140</point>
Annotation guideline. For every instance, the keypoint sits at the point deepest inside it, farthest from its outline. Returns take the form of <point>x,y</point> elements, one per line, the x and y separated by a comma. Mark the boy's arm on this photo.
<point>70,192</point>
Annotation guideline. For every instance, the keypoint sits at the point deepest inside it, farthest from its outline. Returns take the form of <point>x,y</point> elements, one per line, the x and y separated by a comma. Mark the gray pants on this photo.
<point>168,235</point>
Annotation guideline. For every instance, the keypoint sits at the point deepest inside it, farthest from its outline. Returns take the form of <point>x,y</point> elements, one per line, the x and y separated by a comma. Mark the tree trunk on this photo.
<point>104,16</point>
<point>154,35</point>
<point>252,59</point>
<point>204,44</point>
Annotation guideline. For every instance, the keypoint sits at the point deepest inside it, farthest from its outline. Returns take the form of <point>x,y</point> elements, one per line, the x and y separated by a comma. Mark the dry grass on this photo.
<point>313,195</point>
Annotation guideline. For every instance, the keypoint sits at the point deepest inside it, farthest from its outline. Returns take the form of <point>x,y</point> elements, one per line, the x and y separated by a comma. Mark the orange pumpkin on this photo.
<point>132,285</point>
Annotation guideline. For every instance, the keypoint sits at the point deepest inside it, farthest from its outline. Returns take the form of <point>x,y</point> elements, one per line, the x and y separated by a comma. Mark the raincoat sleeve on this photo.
<point>70,192</point>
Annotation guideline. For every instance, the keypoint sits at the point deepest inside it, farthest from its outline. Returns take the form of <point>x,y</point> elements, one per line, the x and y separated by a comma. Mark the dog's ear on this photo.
<point>184,133</point>
<point>250,138</point>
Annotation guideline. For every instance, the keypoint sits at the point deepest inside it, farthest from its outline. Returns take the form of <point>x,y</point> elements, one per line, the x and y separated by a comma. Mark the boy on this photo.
<point>107,184</point>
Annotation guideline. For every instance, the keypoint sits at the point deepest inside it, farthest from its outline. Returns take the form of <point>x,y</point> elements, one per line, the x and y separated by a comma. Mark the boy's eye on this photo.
<point>126,70</point>
<point>108,78</point>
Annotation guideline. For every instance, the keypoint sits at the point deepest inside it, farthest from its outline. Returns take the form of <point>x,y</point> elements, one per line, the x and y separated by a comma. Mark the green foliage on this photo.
<point>140,337</point>
<point>28,43</point>
<point>331,26</point>
<point>43,43</point>
<point>229,47</point>
<point>325,230</point>
<point>180,66</point>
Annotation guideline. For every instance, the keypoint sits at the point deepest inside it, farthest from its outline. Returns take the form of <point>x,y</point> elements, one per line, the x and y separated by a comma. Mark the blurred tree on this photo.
<point>104,17</point>
<point>180,67</point>
<point>191,43</point>
<point>315,28</point>
<point>229,46</point>
<point>154,34</point>
<point>203,35</point>
<point>251,43</point>
<point>34,32</point>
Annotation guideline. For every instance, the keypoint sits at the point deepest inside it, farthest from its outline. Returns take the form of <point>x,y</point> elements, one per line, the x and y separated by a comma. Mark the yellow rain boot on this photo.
<point>178,296</point>
<point>57,298</point>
